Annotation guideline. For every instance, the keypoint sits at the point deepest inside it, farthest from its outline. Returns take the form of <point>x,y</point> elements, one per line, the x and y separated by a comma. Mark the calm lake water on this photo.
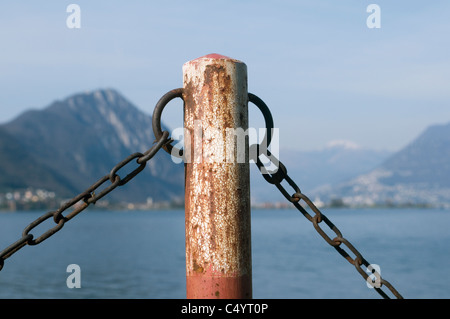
<point>140,254</point>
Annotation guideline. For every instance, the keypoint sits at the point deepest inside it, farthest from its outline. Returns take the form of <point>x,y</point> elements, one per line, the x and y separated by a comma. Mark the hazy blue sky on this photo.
<point>324,74</point>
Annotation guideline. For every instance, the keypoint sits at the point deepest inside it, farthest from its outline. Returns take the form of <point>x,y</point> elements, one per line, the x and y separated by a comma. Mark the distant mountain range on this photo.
<point>68,145</point>
<point>419,174</point>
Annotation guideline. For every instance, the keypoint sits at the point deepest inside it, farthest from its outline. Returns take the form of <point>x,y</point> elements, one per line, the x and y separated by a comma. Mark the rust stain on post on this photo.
<point>217,187</point>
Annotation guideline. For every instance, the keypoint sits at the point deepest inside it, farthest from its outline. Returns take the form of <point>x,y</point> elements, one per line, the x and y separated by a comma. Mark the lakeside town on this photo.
<point>40,199</point>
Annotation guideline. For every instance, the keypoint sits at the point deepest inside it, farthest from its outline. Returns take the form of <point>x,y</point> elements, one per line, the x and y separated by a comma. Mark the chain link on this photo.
<point>277,177</point>
<point>80,202</point>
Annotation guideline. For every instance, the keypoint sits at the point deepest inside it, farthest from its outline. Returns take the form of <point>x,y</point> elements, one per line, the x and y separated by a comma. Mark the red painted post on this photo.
<point>217,183</point>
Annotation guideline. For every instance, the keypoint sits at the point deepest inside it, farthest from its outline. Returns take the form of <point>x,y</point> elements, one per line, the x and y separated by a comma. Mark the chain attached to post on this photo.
<point>279,175</point>
<point>89,196</point>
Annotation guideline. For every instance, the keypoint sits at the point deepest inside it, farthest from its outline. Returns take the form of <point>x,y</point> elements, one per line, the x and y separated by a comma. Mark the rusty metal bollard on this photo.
<point>217,181</point>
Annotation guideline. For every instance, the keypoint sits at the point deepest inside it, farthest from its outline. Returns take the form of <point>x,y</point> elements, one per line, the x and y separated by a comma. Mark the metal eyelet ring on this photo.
<point>267,117</point>
<point>156,120</point>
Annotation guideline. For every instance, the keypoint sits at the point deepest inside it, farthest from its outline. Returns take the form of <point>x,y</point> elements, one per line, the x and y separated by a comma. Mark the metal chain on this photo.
<point>90,197</point>
<point>279,175</point>
<point>83,200</point>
